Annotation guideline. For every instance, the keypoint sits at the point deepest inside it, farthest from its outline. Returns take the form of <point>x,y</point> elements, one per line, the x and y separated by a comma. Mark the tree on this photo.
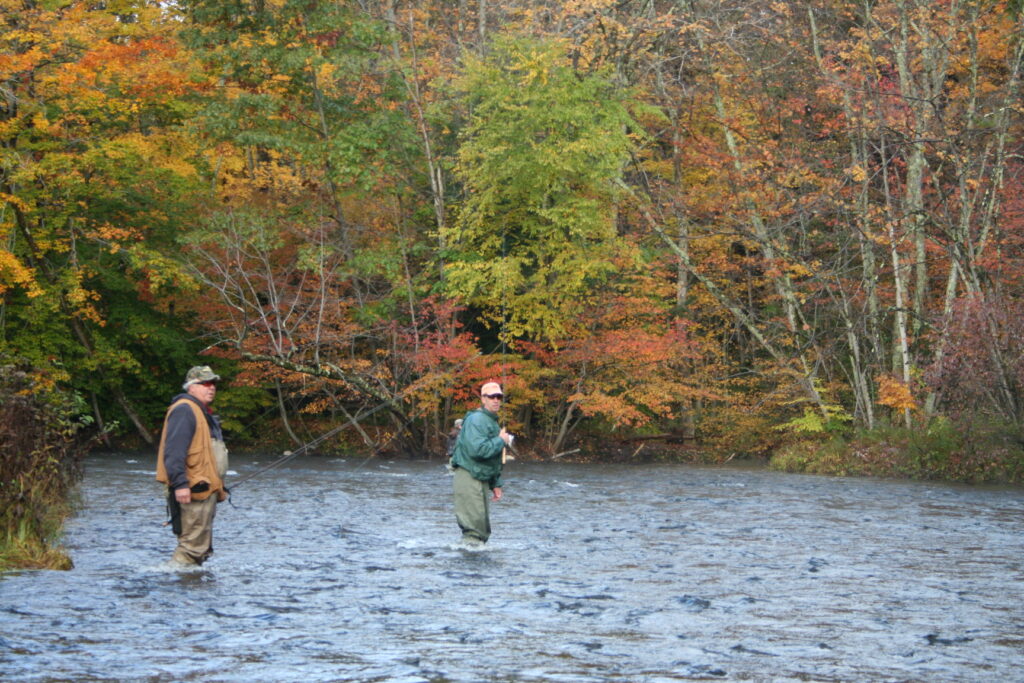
<point>540,160</point>
<point>94,168</point>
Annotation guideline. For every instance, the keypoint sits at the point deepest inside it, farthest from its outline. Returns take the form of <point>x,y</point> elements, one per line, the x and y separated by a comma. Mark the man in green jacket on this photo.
<point>477,460</point>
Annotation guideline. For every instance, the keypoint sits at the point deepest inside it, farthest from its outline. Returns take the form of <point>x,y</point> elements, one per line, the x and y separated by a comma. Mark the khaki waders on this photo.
<point>195,542</point>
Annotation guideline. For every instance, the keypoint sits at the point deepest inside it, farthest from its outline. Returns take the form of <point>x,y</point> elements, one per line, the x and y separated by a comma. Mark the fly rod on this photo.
<point>289,455</point>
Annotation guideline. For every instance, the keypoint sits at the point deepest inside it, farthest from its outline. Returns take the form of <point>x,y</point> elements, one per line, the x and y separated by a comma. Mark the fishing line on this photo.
<point>504,304</point>
<point>289,455</point>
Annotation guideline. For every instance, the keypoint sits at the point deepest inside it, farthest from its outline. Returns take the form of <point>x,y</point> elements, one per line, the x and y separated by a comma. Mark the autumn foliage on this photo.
<point>731,227</point>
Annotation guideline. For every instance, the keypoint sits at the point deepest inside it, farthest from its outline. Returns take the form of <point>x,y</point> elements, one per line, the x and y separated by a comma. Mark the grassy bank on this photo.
<point>977,454</point>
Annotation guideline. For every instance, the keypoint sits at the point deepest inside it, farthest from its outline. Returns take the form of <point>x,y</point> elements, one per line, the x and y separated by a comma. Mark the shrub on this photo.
<point>974,453</point>
<point>832,457</point>
<point>40,463</point>
<point>729,434</point>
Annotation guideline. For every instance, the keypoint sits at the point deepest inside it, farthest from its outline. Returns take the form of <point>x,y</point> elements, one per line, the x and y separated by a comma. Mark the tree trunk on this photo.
<point>283,412</point>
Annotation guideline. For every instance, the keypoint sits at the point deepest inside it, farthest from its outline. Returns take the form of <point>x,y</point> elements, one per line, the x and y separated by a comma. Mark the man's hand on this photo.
<point>497,494</point>
<point>183,495</point>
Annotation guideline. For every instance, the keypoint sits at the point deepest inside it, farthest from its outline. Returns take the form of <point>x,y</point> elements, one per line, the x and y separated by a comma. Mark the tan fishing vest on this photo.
<point>206,460</point>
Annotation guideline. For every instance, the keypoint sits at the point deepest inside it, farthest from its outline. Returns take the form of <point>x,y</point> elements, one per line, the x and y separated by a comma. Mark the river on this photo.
<point>348,570</point>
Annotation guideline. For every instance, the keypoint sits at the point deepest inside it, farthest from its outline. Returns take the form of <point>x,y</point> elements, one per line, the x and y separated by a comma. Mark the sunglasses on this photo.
<point>498,396</point>
<point>208,383</point>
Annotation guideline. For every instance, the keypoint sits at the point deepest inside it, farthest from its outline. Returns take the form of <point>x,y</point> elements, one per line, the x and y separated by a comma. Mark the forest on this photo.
<point>694,230</point>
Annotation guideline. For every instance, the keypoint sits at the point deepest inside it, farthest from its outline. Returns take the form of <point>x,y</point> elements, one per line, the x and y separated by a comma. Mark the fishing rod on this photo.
<point>503,333</point>
<point>289,455</point>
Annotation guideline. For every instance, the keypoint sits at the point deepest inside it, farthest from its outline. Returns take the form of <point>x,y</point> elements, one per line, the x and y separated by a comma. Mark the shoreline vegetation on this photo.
<point>41,457</point>
<point>982,454</point>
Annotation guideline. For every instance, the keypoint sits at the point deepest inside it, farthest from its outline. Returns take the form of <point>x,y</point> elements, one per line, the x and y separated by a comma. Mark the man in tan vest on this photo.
<point>192,461</point>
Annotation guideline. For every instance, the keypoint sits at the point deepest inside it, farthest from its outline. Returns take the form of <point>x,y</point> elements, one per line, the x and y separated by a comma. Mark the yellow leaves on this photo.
<point>111,233</point>
<point>116,152</point>
<point>237,184</point>
<point>857,173</point>
<point>226,159</point>
<point>14,201</point>
<point>82,302</point>
<point>163,273</point>
<point>113,236</point>
<point>325,72</point>
<point>799,270</point>
<point>534,68</point>
<point>26,36</point>
<point>43,125</point>
<point>168,151</point>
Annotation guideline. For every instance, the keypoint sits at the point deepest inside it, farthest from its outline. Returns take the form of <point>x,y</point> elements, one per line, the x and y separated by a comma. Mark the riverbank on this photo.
<point>940,453</point>
<point>981,454</point>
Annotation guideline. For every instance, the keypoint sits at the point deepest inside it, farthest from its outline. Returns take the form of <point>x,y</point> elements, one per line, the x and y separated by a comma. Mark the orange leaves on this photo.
<point>629,372</point>
<point>149,69</point>
<point>13,273</point>
<point>114,236</point>
<point>895,394</point>
<point>76,70</point>
<point>857,173</point>
<point>82,300</point>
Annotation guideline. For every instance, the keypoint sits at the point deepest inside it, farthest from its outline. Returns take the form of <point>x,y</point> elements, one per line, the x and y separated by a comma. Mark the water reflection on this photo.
<point>343,571</point>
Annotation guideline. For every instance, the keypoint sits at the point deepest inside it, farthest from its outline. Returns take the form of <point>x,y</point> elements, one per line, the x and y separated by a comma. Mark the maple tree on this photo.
<point>628,368</point>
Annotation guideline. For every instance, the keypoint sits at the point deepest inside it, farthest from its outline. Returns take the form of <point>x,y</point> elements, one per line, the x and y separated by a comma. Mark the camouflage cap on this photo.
<point>200,373</point>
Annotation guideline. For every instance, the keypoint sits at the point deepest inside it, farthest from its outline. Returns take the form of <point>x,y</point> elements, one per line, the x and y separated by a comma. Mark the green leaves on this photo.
<point>300,79</point>
<point>540,158</point>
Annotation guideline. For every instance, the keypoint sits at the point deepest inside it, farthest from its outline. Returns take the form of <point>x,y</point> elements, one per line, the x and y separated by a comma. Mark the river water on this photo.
<point>335,570</point>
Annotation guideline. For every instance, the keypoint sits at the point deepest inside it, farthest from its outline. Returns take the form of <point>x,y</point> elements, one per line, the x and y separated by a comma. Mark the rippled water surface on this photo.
<point>332,570</point>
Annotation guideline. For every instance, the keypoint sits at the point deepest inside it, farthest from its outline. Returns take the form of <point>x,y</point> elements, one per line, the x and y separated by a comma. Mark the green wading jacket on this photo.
<point>478,448</point>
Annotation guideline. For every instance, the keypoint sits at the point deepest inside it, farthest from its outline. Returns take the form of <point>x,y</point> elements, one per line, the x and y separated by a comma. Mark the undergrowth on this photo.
<point>976,453</point>
<point>40,463</point>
